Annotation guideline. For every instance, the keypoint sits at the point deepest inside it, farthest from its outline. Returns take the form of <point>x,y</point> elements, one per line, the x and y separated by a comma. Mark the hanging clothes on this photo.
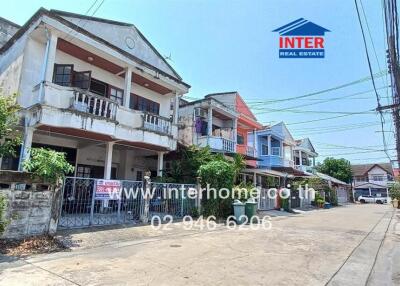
<point>198,125</point>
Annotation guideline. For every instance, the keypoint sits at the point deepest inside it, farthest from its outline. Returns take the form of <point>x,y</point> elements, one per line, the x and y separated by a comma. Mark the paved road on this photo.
<point>350,245</point>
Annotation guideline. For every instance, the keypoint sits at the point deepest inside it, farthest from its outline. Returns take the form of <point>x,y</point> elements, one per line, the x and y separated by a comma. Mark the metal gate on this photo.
<point>81,208</point>
<point>171,199</point>
<point>294,199</point>
<point>267,200</point>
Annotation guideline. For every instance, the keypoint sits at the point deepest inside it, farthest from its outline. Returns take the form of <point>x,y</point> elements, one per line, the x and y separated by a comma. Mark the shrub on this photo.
<point>3,208</point>
<point>48,164</point>
<point>10,137</point>
<point>217,174</point>
<point>394,191</point>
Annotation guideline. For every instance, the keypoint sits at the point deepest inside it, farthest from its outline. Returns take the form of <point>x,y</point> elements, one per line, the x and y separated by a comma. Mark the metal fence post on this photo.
<point>144,218</point>
<point>92,205</point>
<point>199,195</point>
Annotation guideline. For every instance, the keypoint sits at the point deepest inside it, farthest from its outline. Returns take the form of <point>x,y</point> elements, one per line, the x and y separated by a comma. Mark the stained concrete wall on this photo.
<point>30,212</point>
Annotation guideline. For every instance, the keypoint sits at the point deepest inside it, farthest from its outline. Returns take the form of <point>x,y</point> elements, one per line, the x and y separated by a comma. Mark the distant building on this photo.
<point>7,30</point>
<point>372,179</point>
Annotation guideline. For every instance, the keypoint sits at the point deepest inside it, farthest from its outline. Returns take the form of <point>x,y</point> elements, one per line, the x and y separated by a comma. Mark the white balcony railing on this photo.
<point>156,123</point>
<point>94,104</point>
<point>250,151</point>
<point>218,143</point>
<point>304,168</point>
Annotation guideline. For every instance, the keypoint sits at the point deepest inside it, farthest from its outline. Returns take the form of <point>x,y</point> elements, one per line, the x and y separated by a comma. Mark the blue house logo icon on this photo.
<point>301,39</point>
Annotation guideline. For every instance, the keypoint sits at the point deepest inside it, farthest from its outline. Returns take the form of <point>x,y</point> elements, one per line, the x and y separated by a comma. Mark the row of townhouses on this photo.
<point>98,91</point>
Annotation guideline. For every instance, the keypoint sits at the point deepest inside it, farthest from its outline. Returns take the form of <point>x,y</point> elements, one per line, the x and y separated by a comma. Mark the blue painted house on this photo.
<point>278,150</point>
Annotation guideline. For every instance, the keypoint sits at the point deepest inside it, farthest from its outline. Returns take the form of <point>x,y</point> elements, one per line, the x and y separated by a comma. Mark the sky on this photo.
<point>229,45</point>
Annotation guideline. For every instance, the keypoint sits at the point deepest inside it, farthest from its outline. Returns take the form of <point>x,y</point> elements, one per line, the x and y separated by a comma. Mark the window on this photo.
<point>98,87</point>
<point>83,171</point>
<point>82,79</point>
<point>240,139</point>
<point>264,150</point>
<point>116,94</point>
<point>276,151</point>
<point>63,74</point>
<point>143,104</point>
<point>378,178</point>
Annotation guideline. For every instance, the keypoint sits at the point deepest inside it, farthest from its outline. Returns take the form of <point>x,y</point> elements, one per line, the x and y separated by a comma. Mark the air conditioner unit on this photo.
<point>200,112</point>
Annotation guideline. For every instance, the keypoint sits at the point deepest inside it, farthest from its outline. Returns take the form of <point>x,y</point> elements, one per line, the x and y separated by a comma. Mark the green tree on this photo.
<point>217,174</point>
<point>337,168</point>
<point>10,136</point>
<point>48,164</point>
<point>394,191</point>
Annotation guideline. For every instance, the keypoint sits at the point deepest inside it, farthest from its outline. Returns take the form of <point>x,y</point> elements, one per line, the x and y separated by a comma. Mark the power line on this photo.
<point>372,77</point>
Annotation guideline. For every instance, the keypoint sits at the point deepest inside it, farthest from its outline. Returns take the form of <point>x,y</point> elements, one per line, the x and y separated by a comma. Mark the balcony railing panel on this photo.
<point>156,123</point>
<point>94,104</point>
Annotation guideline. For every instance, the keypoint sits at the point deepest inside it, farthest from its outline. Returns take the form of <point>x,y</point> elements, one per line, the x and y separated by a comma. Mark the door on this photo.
<point>294,199</point>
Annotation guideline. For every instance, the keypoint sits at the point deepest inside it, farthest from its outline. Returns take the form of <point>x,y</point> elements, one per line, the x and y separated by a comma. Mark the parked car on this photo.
<point>372,199</point>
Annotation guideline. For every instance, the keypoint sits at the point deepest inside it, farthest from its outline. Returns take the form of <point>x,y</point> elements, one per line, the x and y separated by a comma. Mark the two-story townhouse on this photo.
<point>208,122</point>
<point>95,89</point>
<point>304,155</point>
<point>246,123</point>
<point>371,179</point>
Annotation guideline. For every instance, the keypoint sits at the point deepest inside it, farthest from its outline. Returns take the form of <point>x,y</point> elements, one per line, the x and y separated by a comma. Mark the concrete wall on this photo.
<point>32,211</point>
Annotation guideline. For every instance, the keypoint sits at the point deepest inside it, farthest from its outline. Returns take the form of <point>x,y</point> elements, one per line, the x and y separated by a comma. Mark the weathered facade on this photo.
<point>95,89</point>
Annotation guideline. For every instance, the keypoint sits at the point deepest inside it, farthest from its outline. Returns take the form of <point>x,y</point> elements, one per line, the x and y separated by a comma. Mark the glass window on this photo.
<point>98,87</point>
<point>82,79</point>
<point>117,94</point>
<point>143,104</point>
<point>276,151</point>
<point>240,139</point>
<point>63,74</point>
<point>264,149</point>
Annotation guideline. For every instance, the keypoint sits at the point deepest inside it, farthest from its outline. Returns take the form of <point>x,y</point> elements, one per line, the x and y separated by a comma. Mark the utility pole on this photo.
<point>390,11</point>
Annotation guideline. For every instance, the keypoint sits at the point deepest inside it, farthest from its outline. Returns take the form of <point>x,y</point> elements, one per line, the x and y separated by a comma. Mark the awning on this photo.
<point>267,172</point>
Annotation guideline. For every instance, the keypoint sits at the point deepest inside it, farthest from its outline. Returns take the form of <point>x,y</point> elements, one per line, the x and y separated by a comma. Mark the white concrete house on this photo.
<point>372,179</point>
<point>95,89</point>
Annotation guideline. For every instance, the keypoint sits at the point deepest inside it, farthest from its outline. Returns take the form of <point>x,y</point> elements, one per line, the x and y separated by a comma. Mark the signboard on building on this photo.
<point>107,189</point>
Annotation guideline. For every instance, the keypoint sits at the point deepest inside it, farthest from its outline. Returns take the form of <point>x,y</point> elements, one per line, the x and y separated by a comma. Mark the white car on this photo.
<point>372,199</point>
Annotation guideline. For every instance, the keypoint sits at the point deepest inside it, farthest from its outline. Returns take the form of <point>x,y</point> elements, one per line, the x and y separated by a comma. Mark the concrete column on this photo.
<point>26,146</point>
<point>313,161</point>
<point>209,121</point>
<point>235,131</point>
<point>160,164</point>
<point>281,149</point>
<point>269,145</point>
<point>176,108</point>
<point>370,191</point>
<point>255,179</point>
<point>300,158</point>
<point>108,160</point>
<point>51,58</point>
<point>128,86</point>
<point>255,142</point>
<point>76,161</point>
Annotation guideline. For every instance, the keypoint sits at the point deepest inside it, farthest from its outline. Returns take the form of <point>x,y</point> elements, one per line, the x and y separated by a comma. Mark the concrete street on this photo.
<point>348,245</point>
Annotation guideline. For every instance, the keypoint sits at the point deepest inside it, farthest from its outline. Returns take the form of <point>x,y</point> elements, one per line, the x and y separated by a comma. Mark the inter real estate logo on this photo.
<point>301,39</point>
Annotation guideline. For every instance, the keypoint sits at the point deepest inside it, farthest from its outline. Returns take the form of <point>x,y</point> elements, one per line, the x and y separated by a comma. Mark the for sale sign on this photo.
<point>107,189</point>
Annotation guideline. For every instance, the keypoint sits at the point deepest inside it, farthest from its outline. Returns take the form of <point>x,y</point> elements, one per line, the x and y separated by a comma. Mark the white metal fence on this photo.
<point>82,205</point>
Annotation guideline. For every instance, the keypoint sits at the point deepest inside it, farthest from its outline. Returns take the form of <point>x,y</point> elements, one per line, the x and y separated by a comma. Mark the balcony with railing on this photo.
<point>246,150</point>
<point>107,116</point>
<point>156,123</point>
<point>97,105</point>
<point>217,143</point>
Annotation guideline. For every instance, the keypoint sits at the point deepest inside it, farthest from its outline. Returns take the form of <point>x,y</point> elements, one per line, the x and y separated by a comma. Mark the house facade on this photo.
<point>95,89</point>
<point>372,179</point>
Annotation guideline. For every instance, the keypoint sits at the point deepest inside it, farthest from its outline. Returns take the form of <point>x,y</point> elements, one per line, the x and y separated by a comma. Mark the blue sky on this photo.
<point>229,45</point>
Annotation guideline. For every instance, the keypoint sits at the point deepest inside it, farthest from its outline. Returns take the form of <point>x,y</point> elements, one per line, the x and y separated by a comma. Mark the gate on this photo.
<point>294,199</point>
<point>266,201</point>
<point>81,208</point>
<point>171,199</point>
